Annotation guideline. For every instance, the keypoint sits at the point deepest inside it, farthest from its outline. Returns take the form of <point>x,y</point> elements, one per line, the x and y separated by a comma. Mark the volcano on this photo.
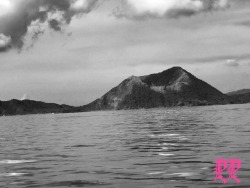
<point>172,87</point>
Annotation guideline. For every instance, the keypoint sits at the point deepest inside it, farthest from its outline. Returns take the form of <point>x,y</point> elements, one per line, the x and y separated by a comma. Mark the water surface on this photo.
<point>174,147</point>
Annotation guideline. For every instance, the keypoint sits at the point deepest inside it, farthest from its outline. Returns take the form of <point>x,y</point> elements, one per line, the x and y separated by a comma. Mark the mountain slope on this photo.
<point>173,87</point>
<point>17,107</point>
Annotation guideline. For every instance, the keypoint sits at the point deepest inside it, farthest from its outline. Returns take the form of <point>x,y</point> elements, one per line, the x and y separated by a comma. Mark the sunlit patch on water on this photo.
<point>167,144</point>
<point>164,148</point>
<point>169,136</point>
<point>13,174</point>
<point>166,154</point>
<point>156,173</point>
<point>204,168</point>
<point>163,135</point>
<point>183,174</point>
<point>16,161</point>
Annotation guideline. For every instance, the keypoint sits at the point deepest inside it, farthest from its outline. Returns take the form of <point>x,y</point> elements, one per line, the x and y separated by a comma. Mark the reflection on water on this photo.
<point>174,147</point>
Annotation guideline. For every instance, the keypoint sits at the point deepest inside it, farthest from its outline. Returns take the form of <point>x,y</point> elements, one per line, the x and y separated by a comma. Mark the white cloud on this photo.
<point>222,4</point>
<point>232,63</point>
<point>170,8</point>
<point>82,5</point>
<point>5,7</point>
<point>161,7</point>
<point>4,42</point>
<point>25,97</point>
<point>79,4</point>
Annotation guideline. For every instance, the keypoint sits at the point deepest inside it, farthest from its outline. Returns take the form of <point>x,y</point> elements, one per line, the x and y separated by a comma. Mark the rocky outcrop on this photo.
<point>173,87</point>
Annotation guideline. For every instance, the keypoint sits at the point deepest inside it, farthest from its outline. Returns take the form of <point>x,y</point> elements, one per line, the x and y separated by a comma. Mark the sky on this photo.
<point>74,51</point>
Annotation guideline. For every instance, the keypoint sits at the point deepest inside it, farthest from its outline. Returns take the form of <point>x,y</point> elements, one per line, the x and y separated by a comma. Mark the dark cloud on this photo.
<point>31,14</point>
<point>55,24</point>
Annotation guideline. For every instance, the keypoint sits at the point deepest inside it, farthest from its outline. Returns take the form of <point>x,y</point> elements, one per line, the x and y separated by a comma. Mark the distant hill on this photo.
<point>172,87</point>
<point>240,96</point>
<point>239,92</point>
<point>17,107</point>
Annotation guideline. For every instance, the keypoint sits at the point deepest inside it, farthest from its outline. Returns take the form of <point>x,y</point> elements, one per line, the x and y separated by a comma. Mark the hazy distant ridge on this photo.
<point>240,96</point>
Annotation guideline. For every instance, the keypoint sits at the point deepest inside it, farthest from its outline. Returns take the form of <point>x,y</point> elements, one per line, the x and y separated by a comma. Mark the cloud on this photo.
<point>25,97</point>
<point>232,63</point>
<point>215,59</point>
<point>141,9</point>
<point>5,6</point>
<point>19,16</point>
<point>82,5</point>
<point>5,42</point>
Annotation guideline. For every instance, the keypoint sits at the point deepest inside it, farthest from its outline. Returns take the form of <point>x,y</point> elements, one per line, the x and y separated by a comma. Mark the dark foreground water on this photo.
<point>145,148</point>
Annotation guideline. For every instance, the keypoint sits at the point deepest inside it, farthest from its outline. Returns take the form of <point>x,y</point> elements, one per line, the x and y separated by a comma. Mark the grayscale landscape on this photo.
<point>124,93</point>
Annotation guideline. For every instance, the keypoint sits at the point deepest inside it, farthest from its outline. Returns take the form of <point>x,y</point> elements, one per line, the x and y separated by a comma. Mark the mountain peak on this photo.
<point>172,76</point>
<point>176,68</point>
<point>134,79</point>
<point>172,87</point>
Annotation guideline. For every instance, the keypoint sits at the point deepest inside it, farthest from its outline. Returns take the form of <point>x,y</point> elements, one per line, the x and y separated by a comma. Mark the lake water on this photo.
<point>174,147</point>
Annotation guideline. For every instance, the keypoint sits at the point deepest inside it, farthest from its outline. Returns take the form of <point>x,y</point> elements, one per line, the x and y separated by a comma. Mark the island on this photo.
<point>170,88</point>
